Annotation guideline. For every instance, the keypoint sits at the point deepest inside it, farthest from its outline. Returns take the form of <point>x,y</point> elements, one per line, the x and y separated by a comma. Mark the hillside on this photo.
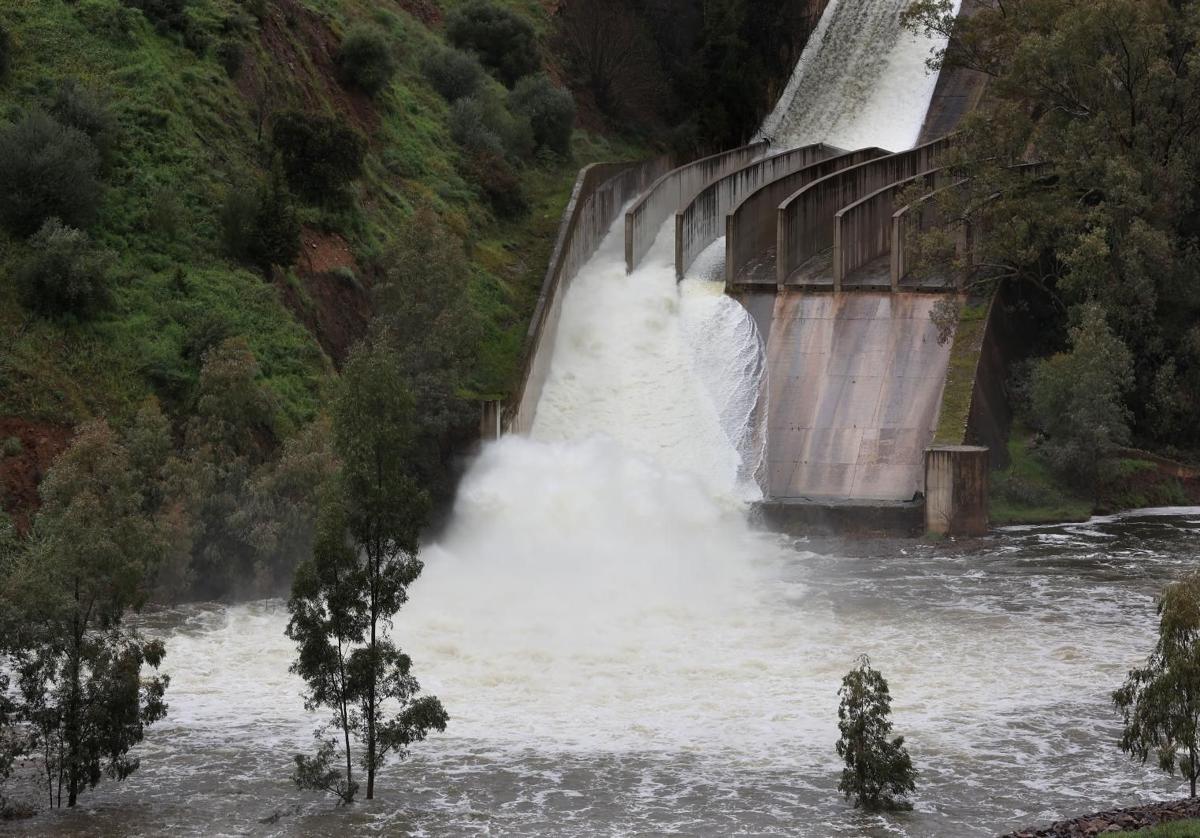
<point>189,91</point>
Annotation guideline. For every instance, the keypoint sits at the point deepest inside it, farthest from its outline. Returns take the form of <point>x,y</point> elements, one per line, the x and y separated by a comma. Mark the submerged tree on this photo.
<point>1160,703</point>
<point>345,597</point>
<point>878,772</point>
<point>78,665</point>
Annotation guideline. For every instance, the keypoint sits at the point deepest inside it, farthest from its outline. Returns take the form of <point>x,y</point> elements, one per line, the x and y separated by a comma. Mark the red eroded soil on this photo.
<point>21,473</point>
<point>334,308</point>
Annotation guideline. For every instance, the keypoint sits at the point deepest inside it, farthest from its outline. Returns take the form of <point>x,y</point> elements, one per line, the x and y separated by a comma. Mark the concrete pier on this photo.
<point>956,490</point>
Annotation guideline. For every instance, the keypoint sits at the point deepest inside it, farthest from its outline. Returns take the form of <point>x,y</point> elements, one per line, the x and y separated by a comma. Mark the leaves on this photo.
<point>878,772</point>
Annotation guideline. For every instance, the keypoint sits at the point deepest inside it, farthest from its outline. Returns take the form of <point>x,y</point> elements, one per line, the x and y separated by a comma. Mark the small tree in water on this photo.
<point>1160,702</point>
<point>878,772</point>
<point>365,557</point>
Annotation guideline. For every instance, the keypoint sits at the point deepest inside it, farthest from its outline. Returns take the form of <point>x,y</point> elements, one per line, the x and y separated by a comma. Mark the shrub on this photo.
<point>454,74</point>
<point>483,124</point>
<point>46,170</point>
<point>320,155</point>
<point>78,107</point>
<point>504,41</point>
<point>65,274</point>
<point>260,226</point>
<point>166,15</point>
<point>365,59</point>
<point>231,54</point>
<point>5,53</point>
<point>550,111</point>
<point>499,184</point>
<point>12,447</point>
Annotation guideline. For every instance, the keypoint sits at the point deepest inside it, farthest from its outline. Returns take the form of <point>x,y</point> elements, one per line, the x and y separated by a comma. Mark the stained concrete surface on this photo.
<point>855,385</point>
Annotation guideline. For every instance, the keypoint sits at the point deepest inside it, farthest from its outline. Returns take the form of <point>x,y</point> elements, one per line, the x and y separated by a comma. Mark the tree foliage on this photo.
<point>365,59</point>
<point>549,110</point>
<point>78,665</point>
<point>1107,94</point>
<point>65,272</point>
<point>504,41</point>
<point>320,154</point>
<point>878,773</point>
<point>47,170</point>
<point>1160,702</point>
<point>453,73</point>
<point>365,559</point>
<point>260,225</point>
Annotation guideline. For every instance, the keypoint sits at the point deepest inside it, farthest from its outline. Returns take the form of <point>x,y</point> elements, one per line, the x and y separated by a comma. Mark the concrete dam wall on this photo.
<point>672,192</point>
<point>702,221</point>
<point>855,386</point>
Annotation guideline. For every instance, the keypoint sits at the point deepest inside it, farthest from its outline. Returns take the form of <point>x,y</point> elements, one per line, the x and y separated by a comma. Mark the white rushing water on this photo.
<point>861,81</point>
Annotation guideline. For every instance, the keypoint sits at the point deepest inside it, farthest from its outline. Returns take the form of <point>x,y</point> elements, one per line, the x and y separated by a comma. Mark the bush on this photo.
<point>499,184</point>
<point>231,54</point>
<point>5,53</point>
<point>166,15</point>
<point>504,41</point>
<point>65,274</point>
<point>13,447</point>
<point>260,226</point>
<point>365,59</point>
<point>454,74</point>
<point>550,111</point>
<point>46,170</point>
<point>320,155</point>
<point>483,124</point>
<point>78,107</point>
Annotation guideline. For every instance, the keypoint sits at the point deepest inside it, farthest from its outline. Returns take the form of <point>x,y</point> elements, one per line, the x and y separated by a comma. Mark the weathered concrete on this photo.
<point>805,221</point>
<point>957,93</point>
<point>956,490</point>
<point>862,231</point>
<point>750,227</point>
<point>910,220</point>
<point>601,190</point>
<point>843,517</point>
<point>702,221</point>
<point>673,191</point>
<point>990,416</point>
<point>855,384</point>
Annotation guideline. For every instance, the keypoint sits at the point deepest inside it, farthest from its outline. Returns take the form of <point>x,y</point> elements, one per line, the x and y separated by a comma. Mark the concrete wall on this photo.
<point>750,228</point>
<point>702,221</point>
<point>601,190</point>
<point>673,191</point>
<point>862,231</point>
<point>805,220</point>
<point>908,221</point>
<point>956,490</point>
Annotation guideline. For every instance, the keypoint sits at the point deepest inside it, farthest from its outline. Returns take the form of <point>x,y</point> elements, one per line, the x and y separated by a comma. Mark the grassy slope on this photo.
<point>960,375</point>
<point>1027,493</point>
<point>1178,829</point>
<point>186,136</point>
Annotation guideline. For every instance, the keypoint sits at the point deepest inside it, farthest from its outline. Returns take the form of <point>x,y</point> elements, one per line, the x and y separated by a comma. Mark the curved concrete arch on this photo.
<point>862,231</point>
<point>673,191</point>
<point>750,227</point>
<point>805,221</point>
<point>702,221</point>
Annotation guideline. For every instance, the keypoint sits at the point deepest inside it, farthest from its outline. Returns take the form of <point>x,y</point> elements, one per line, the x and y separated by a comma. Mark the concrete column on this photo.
<point>956,490</point>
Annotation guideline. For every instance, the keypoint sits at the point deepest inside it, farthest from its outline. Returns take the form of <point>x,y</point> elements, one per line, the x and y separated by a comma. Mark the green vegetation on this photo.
<point>503,40</point>
<point>960,375</point>
<point>1160,702</point>
<point>365,59</point>
<point>879,773</point>
<point>1027,492</point>
<point>1176,829</point>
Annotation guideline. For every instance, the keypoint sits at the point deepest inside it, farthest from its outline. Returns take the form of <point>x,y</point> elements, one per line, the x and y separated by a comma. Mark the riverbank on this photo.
<point>1121,821</point>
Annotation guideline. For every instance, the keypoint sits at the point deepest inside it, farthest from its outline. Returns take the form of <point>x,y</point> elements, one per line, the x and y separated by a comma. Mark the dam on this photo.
<point>833,367</point>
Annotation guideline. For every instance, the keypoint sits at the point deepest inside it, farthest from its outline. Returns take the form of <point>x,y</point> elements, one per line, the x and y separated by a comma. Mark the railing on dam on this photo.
<point>863,230</point>
<point>702,221</point>
<point>750,228</point>
<point>601,190</point>
<point>805,222</point>
<point>672,192</point>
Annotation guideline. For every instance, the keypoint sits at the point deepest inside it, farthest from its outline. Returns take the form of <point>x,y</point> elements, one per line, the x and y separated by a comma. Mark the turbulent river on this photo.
<point>623,652</point>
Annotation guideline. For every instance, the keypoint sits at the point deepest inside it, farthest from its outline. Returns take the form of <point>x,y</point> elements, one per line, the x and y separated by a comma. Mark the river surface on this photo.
<point>637,717</point>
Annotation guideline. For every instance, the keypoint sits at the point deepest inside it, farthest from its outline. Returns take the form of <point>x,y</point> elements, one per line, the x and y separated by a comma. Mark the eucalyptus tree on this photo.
<point>77,662</point>
<point>1160,702</point>
<point>879,771</point>
<point>346,596</point>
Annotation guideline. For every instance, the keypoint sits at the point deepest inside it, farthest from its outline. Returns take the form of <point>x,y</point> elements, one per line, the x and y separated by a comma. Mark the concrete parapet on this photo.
<point>956,490</point>
<point>750,227</point>
<point>702,221</point>
<point>805,221</point>
<point>601,190</point>
<point>863,231</point>
<point>673,191</point>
